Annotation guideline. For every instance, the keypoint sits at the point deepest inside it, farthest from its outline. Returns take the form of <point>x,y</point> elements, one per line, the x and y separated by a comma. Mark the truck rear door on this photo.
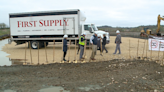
<point>69,27</point>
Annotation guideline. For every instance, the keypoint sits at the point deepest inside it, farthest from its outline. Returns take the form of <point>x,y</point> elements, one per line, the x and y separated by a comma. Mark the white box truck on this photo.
<point>47,26</point>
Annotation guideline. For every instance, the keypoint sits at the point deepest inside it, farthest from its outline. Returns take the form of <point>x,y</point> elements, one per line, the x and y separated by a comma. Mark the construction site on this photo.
<point>136,69</point>
<point>42,53</point>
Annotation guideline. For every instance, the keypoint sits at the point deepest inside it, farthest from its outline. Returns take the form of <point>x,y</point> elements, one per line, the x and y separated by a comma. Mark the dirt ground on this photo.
<point>18,52</point>
<point>110,76</point>
<point>109,73</point>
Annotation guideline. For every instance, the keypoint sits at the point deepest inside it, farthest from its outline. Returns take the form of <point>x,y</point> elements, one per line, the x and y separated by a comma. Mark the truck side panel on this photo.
<point>44,25</point>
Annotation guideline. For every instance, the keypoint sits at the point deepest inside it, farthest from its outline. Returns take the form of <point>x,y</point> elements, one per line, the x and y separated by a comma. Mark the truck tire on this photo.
<point>46,43</point>
<point>42,44</point>
<point>34,44</point>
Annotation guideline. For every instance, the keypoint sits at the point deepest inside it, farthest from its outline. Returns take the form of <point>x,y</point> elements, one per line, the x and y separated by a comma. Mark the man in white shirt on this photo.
<point>93,41</point>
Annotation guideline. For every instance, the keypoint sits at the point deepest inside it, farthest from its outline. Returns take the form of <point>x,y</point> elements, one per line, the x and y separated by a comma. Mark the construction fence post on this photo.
<point>129,49</point>
<point>53,50</point>
<point>25,53</point>
<point>69,51</point>
<point>45,51</point>
<point>151,50</point>
<point>137,48</point>
<point>30,51</point>
<point>38,53</point>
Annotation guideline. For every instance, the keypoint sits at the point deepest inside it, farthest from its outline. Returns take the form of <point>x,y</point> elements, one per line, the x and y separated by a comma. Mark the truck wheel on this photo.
<point>34,44</point>
<point>43,44</point>
<point>46,43</point>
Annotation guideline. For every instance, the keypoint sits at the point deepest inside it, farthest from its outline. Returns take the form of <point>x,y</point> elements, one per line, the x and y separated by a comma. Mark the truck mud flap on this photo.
<point>20,42</point>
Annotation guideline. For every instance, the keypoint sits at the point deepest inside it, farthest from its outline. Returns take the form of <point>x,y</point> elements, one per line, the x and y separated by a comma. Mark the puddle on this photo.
<point>3,59</point>
<point>53,89</point>
<point>9,90</point>
<point>90,87</point>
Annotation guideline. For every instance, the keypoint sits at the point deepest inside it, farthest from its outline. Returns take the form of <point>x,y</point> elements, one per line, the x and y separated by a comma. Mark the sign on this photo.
<point>44,25</point>
<point>156,44</point>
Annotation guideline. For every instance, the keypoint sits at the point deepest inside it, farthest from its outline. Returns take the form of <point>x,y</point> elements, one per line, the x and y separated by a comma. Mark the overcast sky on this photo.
<point>122,13</point>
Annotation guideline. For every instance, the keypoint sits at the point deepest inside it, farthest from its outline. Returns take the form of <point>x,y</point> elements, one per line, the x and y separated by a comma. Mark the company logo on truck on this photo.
<point>42,23</point>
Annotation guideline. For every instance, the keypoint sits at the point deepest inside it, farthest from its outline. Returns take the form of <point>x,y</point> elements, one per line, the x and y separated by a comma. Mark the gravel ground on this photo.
<point>110,76</point>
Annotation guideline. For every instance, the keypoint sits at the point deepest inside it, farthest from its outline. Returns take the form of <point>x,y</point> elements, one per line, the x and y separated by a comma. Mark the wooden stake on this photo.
<point>25,53</point>
<point>137,48</point>
<point>159,49</point>
<point>147,48</point>
<point>85,48</point>
<point>163,54</point>
<point>143,49</point>
<point>163,57</point>
<point>75,51</point>
<point>62,51</point>
<point>151,50</point>
<point>30,51</point>
<point>69,50</point>
<point>101,47</point>
<point>91,51</point>
<point>84,56</point>
<point>45,51</point>
<point>129,48</point>
<point>38,53</point>
<point>53,50</point>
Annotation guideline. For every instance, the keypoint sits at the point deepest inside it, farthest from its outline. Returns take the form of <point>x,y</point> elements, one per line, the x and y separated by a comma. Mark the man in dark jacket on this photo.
<point>104,43</point>
<point>65,46</point>
<point>99,42</point>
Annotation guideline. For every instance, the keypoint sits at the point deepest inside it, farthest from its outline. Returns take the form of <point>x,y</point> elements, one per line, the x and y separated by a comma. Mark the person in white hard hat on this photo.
<point>82,43</point>
<point>118,42</point>
<point>104,43</point>
<point>65,46</point>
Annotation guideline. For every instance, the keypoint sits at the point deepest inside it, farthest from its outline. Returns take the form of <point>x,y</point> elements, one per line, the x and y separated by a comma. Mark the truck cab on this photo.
<point>90,29</point>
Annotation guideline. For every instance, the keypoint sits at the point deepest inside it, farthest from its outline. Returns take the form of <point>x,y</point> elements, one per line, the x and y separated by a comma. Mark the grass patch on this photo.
<point>4,31</point>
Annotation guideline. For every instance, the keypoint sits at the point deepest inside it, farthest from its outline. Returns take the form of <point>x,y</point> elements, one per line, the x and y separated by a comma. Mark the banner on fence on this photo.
<point>156,44</point>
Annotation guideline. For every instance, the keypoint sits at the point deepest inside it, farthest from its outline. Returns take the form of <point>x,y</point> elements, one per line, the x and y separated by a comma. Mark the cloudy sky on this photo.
<point>122,13</point>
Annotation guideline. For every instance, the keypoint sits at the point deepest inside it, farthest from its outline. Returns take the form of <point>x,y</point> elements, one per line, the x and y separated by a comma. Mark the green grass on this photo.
<point>4,31</point>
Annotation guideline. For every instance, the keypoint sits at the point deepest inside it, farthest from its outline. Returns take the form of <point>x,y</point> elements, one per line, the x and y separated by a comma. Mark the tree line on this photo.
<point>3,25</point>
<point>132,29</point>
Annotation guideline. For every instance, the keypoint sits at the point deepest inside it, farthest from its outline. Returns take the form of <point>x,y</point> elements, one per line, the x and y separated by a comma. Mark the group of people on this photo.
<point>97,43</point>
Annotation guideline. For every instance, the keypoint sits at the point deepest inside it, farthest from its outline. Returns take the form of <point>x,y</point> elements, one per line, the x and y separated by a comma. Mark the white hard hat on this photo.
<point>117,31</point>
<point>65,36</point>
<point>83,34</point>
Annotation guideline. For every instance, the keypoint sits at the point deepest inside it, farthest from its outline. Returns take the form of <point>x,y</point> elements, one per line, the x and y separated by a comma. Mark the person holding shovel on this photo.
<point>65,46</point>
<point>104,43</point>
<point>82,43</point>
<point>99,43</point>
